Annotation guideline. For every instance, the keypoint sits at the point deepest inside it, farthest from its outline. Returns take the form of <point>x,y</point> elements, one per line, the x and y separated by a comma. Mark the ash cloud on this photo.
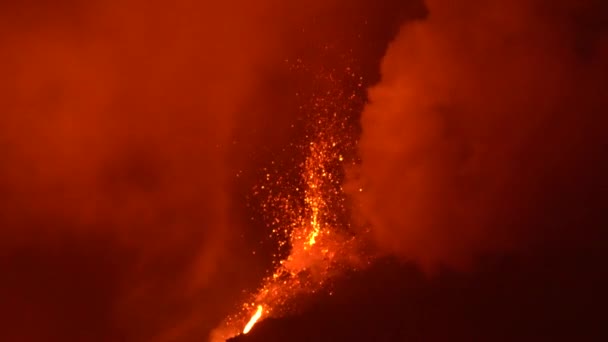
<point>483,134</point>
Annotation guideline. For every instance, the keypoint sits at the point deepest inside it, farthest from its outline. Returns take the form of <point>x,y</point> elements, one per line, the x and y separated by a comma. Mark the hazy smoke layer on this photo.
<point>115,127</point>
<point>116,118</point>
<point>486,116</point>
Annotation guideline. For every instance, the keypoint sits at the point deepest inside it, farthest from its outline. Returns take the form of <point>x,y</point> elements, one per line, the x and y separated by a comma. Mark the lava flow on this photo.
<point>256,316</point>
<point>307,215</point>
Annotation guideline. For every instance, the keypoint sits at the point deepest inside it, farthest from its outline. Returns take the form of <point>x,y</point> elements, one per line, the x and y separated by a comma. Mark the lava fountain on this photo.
<point>308,216</point>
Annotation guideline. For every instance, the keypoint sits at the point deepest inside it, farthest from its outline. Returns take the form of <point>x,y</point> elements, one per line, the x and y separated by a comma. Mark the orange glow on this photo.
<point>305,213</point>
<point>253,319</point>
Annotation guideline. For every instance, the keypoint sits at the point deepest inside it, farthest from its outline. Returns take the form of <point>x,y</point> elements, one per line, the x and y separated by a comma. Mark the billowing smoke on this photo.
<point>484,126</point>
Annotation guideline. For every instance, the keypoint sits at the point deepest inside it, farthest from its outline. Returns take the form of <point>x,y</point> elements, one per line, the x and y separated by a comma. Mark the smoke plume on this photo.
<point>486,116</point>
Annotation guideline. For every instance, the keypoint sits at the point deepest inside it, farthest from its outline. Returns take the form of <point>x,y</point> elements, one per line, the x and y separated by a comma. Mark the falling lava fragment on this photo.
<point>253,320</point>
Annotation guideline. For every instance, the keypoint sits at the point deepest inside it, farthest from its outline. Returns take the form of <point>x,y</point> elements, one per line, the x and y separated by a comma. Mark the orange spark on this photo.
<point>253,319</point>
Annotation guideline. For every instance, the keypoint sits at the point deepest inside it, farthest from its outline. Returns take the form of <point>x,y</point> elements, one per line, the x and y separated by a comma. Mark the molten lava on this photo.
<point>307,215</point>
<point>256,316</point>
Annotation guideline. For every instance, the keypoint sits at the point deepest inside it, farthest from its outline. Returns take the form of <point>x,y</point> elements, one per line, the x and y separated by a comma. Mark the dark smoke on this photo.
<point>486,122</point>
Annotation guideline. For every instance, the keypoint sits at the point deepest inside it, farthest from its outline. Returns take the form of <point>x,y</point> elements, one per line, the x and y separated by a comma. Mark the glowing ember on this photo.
<point>307,214</point>
<point>253,319</point>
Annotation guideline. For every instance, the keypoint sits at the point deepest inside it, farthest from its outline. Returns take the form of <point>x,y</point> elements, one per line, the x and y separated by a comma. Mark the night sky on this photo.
<point>133,135</point>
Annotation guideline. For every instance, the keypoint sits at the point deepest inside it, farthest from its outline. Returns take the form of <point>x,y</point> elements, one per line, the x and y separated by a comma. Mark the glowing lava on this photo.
<point>306,212</point>
<point>253,319</point>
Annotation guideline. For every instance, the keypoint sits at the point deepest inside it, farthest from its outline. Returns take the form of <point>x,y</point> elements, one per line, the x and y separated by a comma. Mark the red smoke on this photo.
<point>482,110</point>
<point>117,125</point>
